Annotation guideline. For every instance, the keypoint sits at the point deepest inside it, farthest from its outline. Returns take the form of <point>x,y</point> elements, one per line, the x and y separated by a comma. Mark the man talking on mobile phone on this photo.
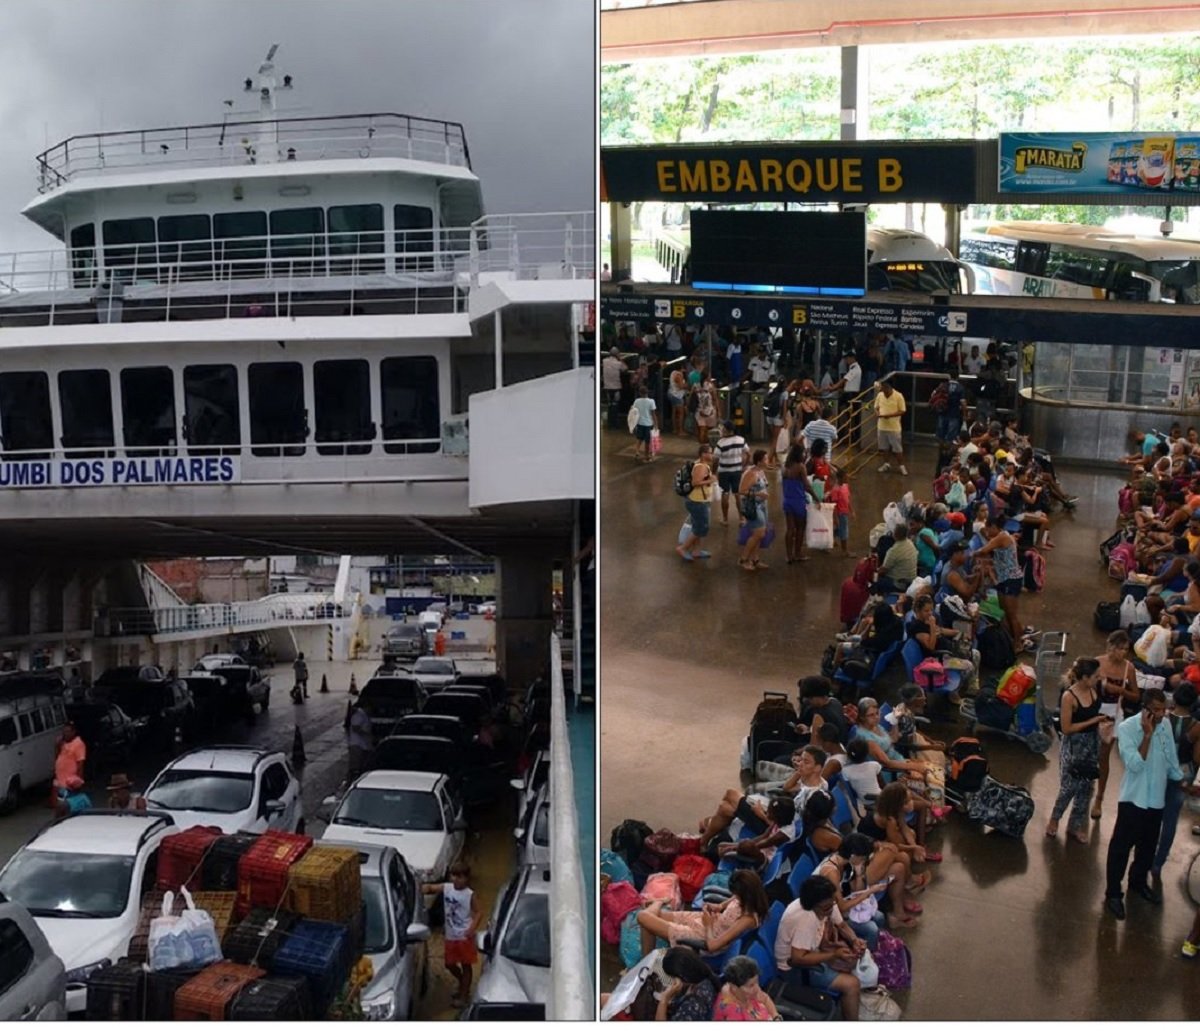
<point>1150,757</point>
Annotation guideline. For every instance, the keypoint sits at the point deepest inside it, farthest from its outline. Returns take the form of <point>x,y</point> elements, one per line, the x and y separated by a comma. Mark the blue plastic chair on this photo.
<point>913,653</point>
<point>802,869</point>
<point>764,956</point>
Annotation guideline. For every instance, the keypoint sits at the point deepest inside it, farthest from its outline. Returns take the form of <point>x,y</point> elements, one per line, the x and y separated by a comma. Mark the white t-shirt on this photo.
<point>800,929</point>
<point>973,366</point>
<point>645,408</point>
<point>863,777</point>
<point>457,903</point>
<point>760,370</point>
<point>853,384</point>
<point>610,372</point>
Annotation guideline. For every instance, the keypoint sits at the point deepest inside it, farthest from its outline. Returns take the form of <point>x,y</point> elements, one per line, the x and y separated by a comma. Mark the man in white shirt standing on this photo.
<point>850,385</point>
<point>611,370</point>
<point>820,429</point>
<point>973,363</point>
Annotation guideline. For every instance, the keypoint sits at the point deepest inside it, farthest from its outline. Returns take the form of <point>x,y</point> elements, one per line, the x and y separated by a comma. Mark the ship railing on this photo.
<point>165,456</point>
<point>249,141</point>
<point>323,272</point>
<point>221,616</point>
<point>550,245</point>
<point>571,991</point>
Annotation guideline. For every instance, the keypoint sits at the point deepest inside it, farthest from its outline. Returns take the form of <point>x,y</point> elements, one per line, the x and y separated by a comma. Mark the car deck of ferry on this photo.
<point>1012,929</point>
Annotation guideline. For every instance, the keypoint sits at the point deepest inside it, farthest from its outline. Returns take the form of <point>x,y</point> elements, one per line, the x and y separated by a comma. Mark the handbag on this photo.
<point>1084,769</point>
<point>878,1004</point>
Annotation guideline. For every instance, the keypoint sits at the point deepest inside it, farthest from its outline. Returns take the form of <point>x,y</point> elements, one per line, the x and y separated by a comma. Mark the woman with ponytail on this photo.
<point>1079,754</point>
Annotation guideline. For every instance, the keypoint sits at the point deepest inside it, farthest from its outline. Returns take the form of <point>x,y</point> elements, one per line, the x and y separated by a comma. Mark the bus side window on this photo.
<point>26,726</point>
<point>39,724</point>
<point>1031,258</point>
<point>8,731</point>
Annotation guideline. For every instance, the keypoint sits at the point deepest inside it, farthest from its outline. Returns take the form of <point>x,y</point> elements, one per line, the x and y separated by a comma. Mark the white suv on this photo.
<point>232,787</point>
<point>82,880</point>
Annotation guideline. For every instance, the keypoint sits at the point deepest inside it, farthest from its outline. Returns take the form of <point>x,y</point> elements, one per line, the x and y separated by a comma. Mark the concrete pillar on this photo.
<point>524,616</point>
<point>620,228</point>
<point>854,116</point>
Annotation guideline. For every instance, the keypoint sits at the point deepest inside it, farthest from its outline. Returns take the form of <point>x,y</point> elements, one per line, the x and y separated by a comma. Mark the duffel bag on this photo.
<point>619,898</point>
<point>1003,807</point>
<point>1107,617</point>
<point>660,850</point>
<point>664,887</point>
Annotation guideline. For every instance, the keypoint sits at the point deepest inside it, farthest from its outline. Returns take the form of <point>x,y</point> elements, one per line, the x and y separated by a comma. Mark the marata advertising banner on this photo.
<point>118,472</point>
<point>1100,162</point>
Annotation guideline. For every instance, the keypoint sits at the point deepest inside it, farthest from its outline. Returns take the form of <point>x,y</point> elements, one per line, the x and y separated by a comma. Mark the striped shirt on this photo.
<point>820,429</point>
<point>731,454</point>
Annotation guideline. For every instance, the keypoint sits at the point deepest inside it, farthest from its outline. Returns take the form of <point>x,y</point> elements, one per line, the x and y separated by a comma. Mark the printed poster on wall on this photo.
<point>1099,162</point>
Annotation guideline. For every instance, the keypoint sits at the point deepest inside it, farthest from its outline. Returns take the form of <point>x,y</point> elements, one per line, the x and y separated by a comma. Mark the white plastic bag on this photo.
<point>1128,614</point>
<point>1154,646</point>
<point>921,583</point>
<point>818,532</point>
<point>892,517</point>
<point>1141,614</point>
<point>878,532</point>
<point>685,531</point>
<point>878,1004</point>
<point>632,419</point>
<point>189,939</point>
<point>866,971</point>
<point>626,991</point>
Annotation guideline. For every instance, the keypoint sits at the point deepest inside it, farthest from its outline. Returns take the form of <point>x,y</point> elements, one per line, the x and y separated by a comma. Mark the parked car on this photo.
<point>470,768</point>
<point>467,706</point>
<point>537,774</point>
<point>418,813</point>
<point>404,641</point>
<point>110,735</point>
<point>234,787</point>
<point>397,928</point>
<point>434,672</point>
<point>82,881</point>
<point>389,697</point>
<point>533,832</point>
<point>215,700</point>
<point>449,727</point>
<point>33,983</point>
<point>516,943</point>
<point>146,693</point>
<point>248,687</point>
<point>30,724</point>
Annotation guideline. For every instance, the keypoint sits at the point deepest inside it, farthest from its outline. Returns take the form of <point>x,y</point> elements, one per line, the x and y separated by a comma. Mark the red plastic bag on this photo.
<point>1015,685</point>
<point>692,871</point>
<point>689,844</point>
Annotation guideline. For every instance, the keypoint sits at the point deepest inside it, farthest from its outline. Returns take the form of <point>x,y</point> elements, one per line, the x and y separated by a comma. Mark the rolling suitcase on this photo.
<point>1003,807</point>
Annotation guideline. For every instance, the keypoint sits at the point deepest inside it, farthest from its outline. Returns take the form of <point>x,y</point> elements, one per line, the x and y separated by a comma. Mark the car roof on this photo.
<point>122,834</point>
<point>409,780</point>
<point>224,759</point>
<point>392,680</point>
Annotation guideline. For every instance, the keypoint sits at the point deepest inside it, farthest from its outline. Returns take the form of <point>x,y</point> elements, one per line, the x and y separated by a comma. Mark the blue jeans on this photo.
<point>1170,821</point>
<point>948,427</point>
<point>869,930</point>
<point>698,512</point>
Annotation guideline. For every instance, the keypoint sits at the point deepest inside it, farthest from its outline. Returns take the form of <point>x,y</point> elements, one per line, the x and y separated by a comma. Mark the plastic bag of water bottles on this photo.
<point>189,939</point>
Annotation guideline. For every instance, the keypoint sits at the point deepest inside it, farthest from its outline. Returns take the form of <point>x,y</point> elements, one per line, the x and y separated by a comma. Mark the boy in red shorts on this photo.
<point>462,920</point>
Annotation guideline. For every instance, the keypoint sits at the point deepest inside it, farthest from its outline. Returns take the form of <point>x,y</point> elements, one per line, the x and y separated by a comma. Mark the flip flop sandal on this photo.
<point>686,556</point>
<point>913,908</point>
<point>933,857</point>
<point>702,554</point>
<point>905,921</point>
<point>760,565</point>
<point>919,884</point>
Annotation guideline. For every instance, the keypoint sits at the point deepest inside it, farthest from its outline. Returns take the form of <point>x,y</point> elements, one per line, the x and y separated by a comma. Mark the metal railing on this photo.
<point>414,271</point>
<point>242,142</point>
<point>571,992</point>
<point>272,610</point>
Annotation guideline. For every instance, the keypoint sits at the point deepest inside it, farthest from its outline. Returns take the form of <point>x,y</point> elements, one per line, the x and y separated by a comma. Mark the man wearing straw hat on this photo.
<point>120,794</point>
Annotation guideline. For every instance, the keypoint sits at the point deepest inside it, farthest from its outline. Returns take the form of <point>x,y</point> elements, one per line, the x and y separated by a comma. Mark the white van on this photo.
<point>30,724</point>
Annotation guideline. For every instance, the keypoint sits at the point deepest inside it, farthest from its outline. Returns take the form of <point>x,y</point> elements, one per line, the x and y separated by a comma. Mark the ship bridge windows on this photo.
<point>210,416</point>
<point>129,248</point>
<point>298,242</point>
<point>342,396</point>
<point>25,421</point>
<point>277,412</point>
<point>185,242</point>
<point>240,238</point>
<point>85,401</point>
<point>414,237</point>
<point>83,256</point>
<point>409,403</point>
<point>355,230</point>
<point>148,411</point>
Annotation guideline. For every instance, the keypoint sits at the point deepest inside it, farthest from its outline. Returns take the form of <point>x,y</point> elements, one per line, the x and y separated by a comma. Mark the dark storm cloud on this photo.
<point>519,75</point>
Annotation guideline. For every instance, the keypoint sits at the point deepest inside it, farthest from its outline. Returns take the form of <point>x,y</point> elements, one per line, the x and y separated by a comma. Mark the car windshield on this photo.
<point>378,935</point>
<point>384,693</point>
<point>404,633</point>
<point>390,809</point>
<point>439,666</point>
<point>205,791</point>
<point>527,937</point>
<point>68,884</point>
<point>541,826</point>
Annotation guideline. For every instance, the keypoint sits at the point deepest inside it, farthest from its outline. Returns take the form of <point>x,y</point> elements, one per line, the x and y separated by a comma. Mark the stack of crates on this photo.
<point>264,869</point>
<point>217,904</point>
<point>181,856</point>
<point>320,952</point>
<point>116,992</point>
<point>257,938</point>
<point>220,872</point>
<point>208,994</point>
<point>273,998</point>
<point>326,884</point>
<point>161,986</point>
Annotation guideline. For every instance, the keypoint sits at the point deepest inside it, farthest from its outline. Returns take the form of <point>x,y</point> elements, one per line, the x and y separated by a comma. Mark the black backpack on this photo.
<point>996,649</point>
<point>683,479</point>
<point>968,764</point>
<point>1108,617</point>
<point>628,839</point>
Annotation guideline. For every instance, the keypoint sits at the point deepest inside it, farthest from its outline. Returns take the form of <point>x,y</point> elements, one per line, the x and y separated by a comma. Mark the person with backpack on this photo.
<point>1079,756</point>
<point>698,478</point>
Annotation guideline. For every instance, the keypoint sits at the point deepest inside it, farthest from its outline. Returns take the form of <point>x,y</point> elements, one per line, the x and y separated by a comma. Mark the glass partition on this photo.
<point>1124,375</point>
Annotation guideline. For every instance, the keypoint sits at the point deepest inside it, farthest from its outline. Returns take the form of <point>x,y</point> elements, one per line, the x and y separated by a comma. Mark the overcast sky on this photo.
<point>519,75</point>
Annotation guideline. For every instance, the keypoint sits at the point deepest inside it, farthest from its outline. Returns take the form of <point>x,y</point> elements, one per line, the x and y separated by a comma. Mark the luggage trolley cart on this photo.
<point>1048,665</point>
<point>1047,670</point>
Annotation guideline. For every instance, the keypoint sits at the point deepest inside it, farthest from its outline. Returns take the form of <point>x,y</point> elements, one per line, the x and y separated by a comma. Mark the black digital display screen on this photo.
<point>790,252</point>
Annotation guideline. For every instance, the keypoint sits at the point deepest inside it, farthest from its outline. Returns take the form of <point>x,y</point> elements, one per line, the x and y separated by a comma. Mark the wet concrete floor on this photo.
<point>1012,929</point>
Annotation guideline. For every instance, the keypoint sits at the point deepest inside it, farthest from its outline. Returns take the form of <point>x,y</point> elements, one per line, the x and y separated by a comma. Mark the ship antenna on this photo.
<point>266,150</point>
